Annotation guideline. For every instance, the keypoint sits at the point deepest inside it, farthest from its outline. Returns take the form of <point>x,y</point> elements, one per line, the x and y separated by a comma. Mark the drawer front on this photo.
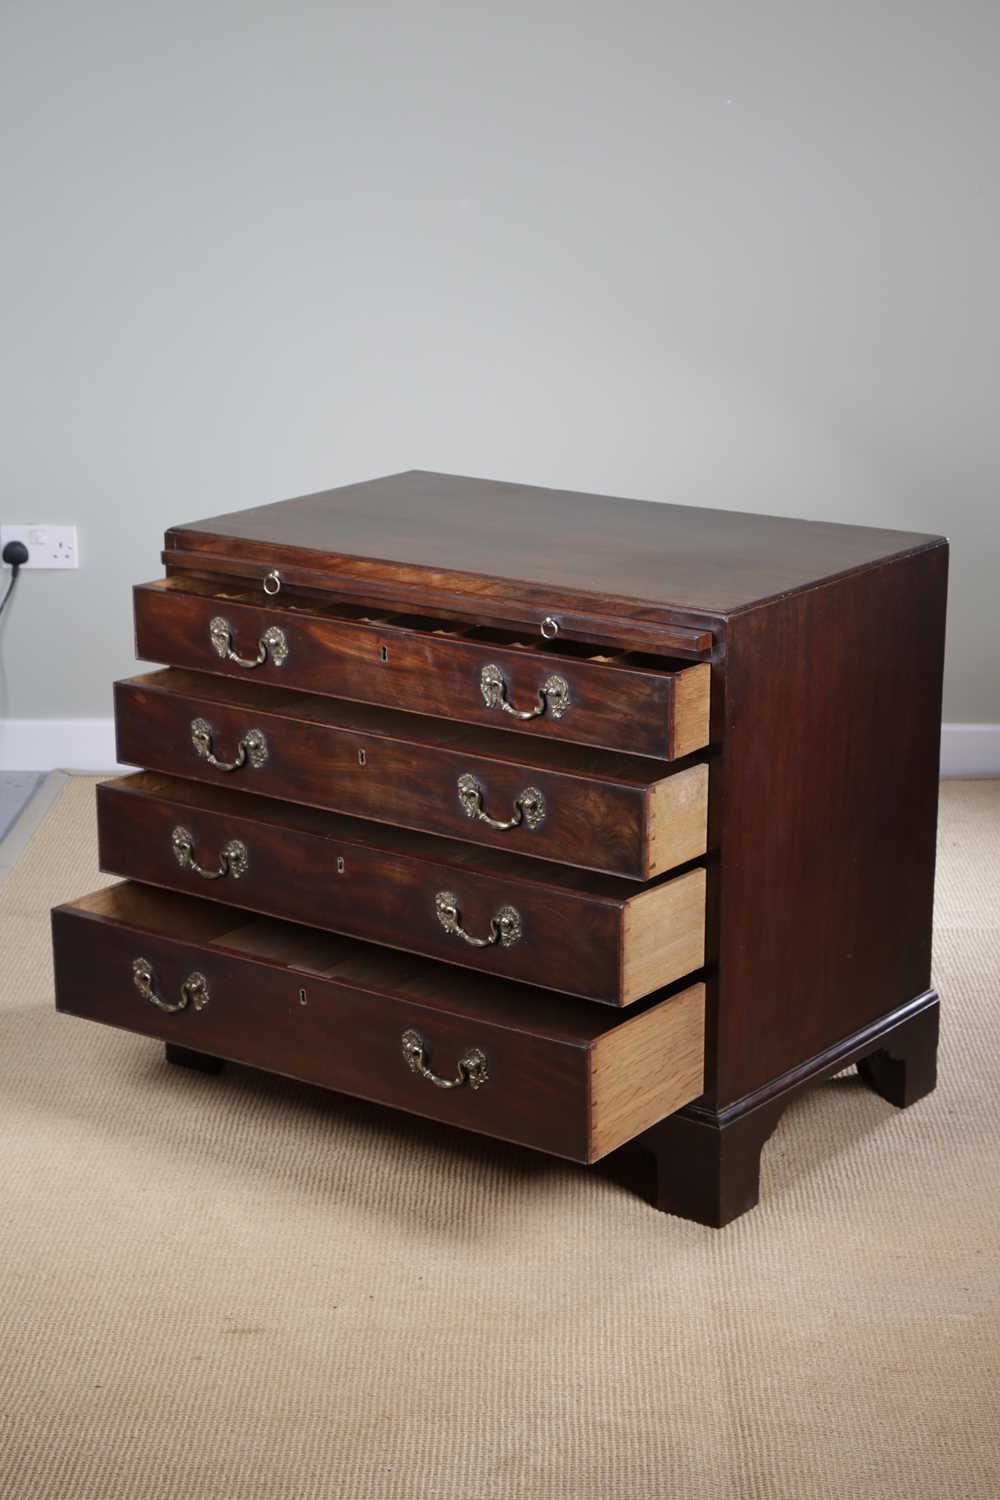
<point>369,1023</point>
<point>610,950</point>
<point>633,828</point>
<point>585,694</point>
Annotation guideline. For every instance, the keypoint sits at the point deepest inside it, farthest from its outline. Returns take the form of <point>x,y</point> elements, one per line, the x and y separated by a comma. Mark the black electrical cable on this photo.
<point>15,553</point>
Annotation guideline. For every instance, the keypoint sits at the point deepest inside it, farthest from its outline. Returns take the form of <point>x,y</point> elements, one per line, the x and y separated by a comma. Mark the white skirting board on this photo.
<point>89,745</point>
<point>970,750</point>
<point>58,745</point>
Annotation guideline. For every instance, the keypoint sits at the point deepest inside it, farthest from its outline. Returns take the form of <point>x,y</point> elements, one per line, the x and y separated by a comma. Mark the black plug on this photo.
<point>16,554</point>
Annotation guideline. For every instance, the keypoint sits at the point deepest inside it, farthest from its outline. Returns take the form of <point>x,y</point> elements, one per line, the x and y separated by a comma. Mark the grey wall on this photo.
<point>731,254</point>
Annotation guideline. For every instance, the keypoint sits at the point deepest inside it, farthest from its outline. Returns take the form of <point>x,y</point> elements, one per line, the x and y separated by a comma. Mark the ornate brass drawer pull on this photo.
<point>272,643</point>
<point>505,926</point>
<point>194,989</point>
<point>251,747</point>
<point>233,857</point>
<point>473,1068</point>
<point>552,695</point>
<point>529,805</point>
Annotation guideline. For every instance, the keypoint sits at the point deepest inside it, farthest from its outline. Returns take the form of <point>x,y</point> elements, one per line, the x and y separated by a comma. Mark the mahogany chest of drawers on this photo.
<point>596,825</point>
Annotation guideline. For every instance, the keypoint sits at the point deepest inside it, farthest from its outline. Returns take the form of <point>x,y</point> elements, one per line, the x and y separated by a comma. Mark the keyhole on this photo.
<point>362,757</point>
<point>302,998</point>
<point>340,864</point>
<point>383,653</point>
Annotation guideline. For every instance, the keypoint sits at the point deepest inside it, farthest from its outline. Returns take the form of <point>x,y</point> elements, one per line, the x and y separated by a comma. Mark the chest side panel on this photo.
<point>826,813</point>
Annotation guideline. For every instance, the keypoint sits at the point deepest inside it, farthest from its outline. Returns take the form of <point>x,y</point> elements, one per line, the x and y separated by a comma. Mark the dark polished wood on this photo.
<point>812,806</point>
<point>332,1011</point>
<point>449,534</point>
<point>825,807</point>
<point>504,606</point>
<point>904,1069</point>
<point>705,1165</point>
<point>200,1062</point>
<point>707,1171</point>
<point>617,700</point>
<point>373,881</point>
<point>400,768</point>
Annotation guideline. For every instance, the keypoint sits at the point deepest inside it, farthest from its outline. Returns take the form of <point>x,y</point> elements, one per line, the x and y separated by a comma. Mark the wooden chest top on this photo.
<point>444,533</point>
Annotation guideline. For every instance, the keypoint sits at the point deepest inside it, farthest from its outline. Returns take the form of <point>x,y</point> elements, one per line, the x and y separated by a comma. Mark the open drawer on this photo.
<point>596,936</point>
<point>520,1064</point>
<point>619,813</point>
<point>562,690</point>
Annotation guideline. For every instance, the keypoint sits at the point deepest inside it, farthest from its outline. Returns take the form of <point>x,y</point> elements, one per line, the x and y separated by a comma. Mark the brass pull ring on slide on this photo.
<point>251,747</point>
<point>529,805</point>
<point>553,695</point>
<point>505,926</point>
<point>473,1068</point>
<point>194,989</point>
<point>233,857</point>
<point>273,643</point>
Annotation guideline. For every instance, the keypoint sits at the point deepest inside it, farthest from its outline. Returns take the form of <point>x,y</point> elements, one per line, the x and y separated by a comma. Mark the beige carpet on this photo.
<point>240,1287</point>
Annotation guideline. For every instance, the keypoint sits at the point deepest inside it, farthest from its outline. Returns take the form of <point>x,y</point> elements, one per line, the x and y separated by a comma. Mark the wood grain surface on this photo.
<point>332,1011</point>
<point>448,533</point>
<point>403,769</point>
<point>641,705</point>
<point>583,934</point>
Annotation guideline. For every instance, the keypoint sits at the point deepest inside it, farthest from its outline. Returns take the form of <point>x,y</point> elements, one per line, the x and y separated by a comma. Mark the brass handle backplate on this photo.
<point>233,857</point>
<point>273,643</point>
<point>505,926</point>
<point>529,805</point>
<point>553,695</point>
<point>473,1068</point>
<point>194,989</point>
<point>251,747</point>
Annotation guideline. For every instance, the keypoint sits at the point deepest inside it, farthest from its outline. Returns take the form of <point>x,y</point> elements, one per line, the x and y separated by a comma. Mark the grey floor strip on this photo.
<point>16,837</point>
<point>16,789</point>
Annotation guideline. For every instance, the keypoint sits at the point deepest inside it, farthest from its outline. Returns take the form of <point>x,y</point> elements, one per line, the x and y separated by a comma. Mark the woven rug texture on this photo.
<point>242,1288</point>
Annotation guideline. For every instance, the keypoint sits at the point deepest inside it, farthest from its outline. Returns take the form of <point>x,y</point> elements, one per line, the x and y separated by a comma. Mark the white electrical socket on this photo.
<point>48,546</point>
